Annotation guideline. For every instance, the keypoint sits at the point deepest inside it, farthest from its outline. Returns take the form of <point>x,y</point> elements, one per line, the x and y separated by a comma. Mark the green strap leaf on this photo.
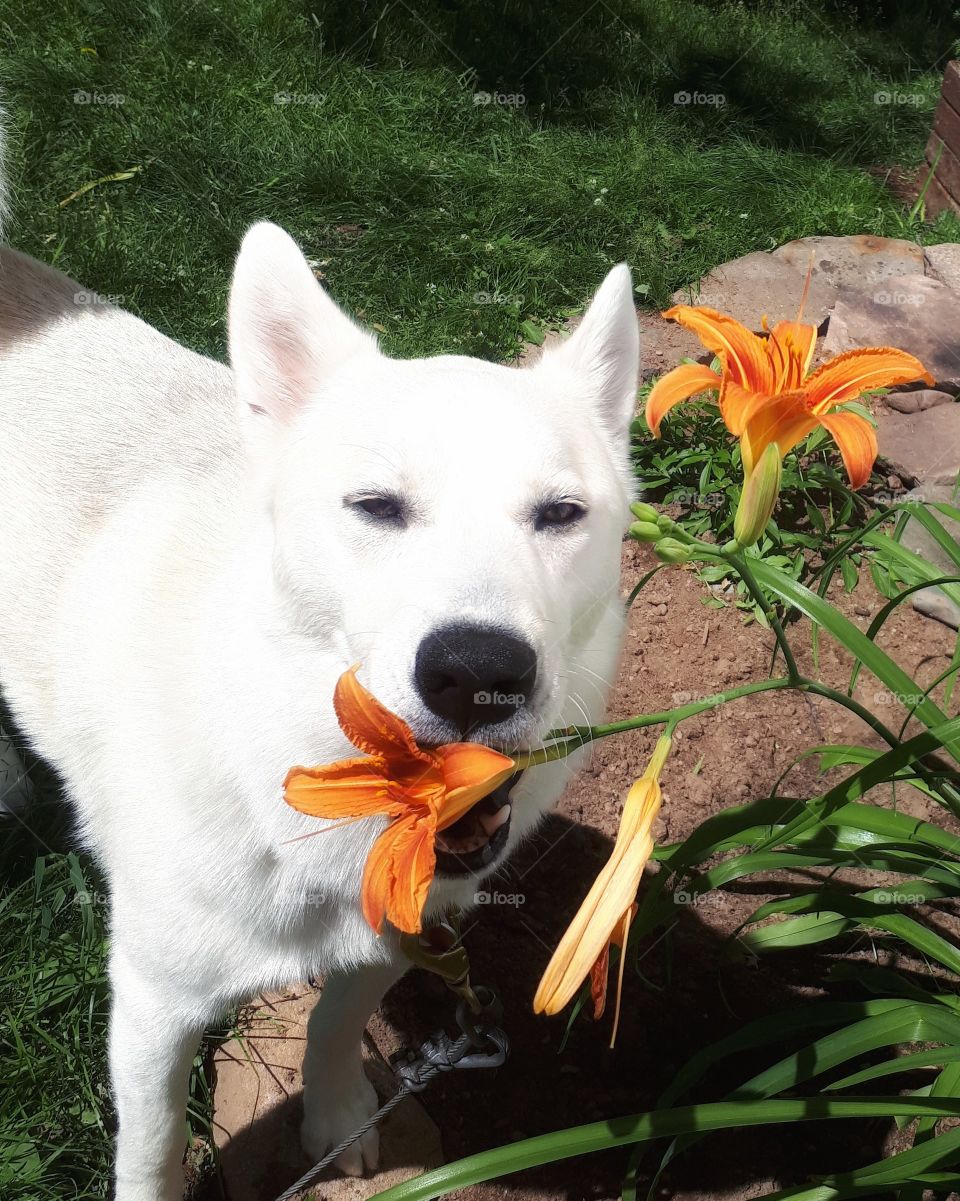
<point>643,1127</point>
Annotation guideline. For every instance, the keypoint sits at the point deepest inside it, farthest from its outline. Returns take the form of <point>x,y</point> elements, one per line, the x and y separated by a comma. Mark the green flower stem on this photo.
<point>574,737</point>
<point>739,564</point>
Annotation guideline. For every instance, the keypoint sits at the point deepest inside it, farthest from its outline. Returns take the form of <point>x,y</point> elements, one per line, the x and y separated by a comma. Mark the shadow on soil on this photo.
<point>690,994</point>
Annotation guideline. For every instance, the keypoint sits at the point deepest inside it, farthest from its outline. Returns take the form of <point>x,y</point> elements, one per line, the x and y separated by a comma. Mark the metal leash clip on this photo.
<point>482,1044</point>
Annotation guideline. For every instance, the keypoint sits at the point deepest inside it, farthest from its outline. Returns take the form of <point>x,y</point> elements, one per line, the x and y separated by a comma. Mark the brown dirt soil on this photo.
<point>692,990</point>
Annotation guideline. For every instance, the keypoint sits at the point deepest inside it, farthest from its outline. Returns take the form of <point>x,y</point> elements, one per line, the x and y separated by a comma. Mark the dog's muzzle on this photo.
<point>477,839</point>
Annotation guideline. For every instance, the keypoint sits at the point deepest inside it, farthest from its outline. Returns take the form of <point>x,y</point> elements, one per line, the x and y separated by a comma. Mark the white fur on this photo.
<point>181,584</point>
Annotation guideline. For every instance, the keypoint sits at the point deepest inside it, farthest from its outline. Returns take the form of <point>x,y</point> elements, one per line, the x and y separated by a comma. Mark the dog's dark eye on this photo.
<point>560,513</point>
<point>382,508</point>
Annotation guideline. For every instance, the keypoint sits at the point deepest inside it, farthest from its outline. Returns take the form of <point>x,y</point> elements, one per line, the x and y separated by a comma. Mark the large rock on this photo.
<point>917,400</point>
<point>761,285</point>
<point>943,263</point>
<point>922,446</point>
<point>933,602</point>
<point>663,344</point>
<point>861,261</point>
<point>915,313</point>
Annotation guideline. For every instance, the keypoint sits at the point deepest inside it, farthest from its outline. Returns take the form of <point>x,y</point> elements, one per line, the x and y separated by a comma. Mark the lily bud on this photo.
<point>645,531</point>
<point>644,512</point>
<point>759,496</point>
<point>669,550</point>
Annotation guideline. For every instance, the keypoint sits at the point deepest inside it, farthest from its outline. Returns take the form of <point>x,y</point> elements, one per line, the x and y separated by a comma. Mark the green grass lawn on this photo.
<point>456,171</point>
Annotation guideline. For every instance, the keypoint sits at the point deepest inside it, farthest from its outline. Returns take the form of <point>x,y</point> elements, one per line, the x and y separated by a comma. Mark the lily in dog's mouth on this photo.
<point>475,840</point>
<point>447,806</point>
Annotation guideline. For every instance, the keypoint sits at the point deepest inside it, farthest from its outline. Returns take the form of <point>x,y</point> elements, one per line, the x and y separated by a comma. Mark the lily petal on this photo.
<point>600,970</point>
<point>744,354</point>
<point>471,771</point>
<point>606,903</point>
<point>349,788</point>
<point>679,384</point>
<point>784,419</point>
<point>734,401</point>
<point>857,371</point>
<point>796,343</point>
<point>398,873</point>
<point>370,725</point>
<point>857,441</point>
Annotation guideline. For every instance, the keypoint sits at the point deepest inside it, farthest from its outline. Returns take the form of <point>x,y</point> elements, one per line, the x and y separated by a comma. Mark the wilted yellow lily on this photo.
<point>605,914</point>
<point>767,394</point>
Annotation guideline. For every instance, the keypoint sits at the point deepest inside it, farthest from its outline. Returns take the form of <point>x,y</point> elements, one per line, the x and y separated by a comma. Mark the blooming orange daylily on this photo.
<point>422,790</point>
<point>767,393</point>
<point>607,910</point>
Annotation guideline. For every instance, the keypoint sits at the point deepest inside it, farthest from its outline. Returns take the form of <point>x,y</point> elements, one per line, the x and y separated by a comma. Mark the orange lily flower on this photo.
<point>422,790</point>
<point>607,910</point>
<point>767,393</point>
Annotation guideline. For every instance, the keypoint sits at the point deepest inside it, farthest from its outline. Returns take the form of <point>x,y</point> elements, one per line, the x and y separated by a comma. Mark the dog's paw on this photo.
<point>332,1114</point>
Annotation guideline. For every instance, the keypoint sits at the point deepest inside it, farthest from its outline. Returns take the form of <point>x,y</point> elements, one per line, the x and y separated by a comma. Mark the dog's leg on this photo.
<point>152,1046</point>
<point>337,1096</point>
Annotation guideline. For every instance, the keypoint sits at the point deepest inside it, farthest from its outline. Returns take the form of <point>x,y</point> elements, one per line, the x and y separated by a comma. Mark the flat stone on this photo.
<point>761,285</point>
<point>943,263</point>
<point>860,261</point>
<point>917,401</point>
<point>258,1108</point>
<point>933,602</point>
<point>916,313</point>
<point>921,446</point>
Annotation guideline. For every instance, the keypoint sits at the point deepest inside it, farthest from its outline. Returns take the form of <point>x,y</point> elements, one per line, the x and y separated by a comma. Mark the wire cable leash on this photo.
<point>482,1043</point>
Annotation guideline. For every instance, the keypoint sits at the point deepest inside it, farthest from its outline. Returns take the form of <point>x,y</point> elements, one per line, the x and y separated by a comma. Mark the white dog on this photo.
<point>190,555</point>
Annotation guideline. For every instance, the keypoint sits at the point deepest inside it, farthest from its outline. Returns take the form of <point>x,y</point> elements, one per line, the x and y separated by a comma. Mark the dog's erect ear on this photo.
<point>286,334</point>
<point>604,351</point>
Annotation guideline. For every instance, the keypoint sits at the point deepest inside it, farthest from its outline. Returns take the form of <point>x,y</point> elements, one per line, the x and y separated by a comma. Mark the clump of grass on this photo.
<point>446,221</point>
<point>54,1106</point>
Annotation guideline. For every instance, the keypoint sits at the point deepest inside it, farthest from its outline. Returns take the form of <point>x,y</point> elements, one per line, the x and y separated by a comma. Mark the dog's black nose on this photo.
<point>474,675</point>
